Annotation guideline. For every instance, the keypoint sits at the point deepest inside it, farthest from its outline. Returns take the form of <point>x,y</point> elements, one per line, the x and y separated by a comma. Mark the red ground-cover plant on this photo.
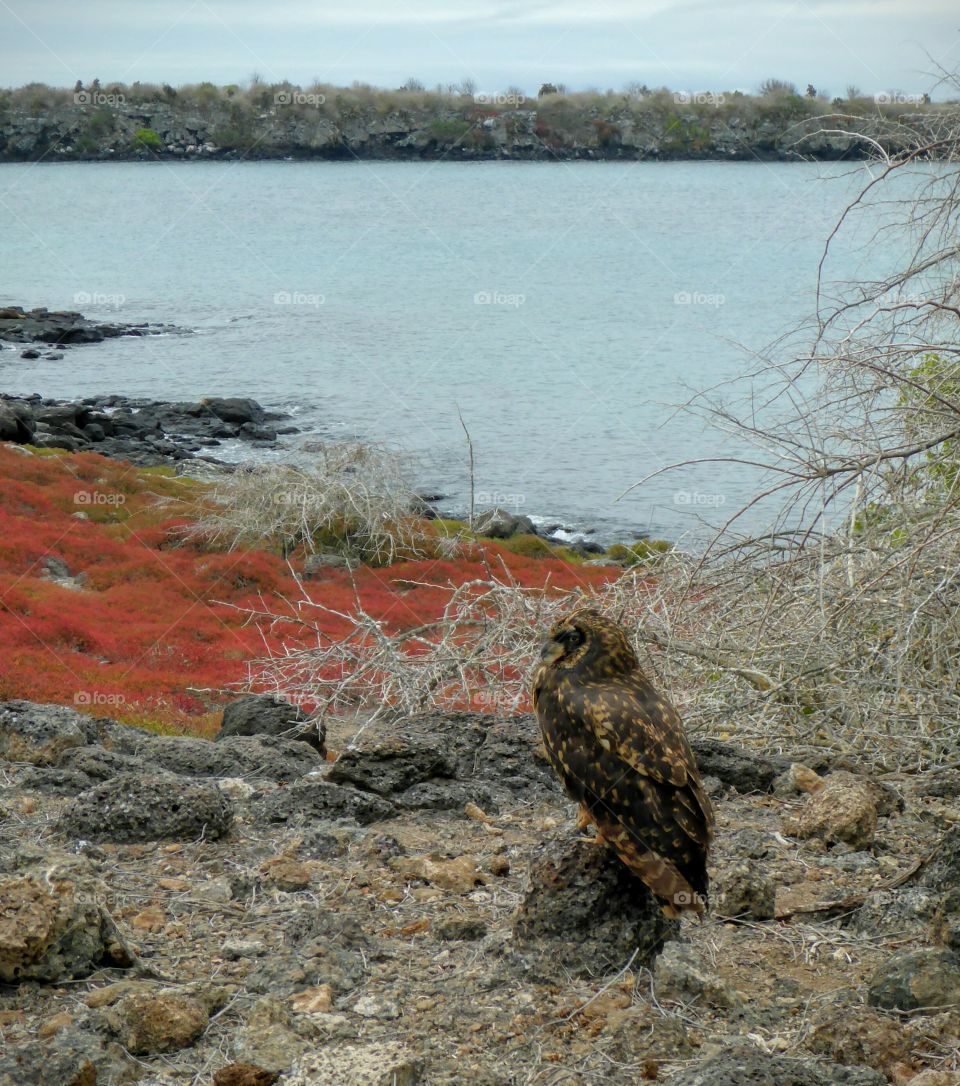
<point>153,628</point>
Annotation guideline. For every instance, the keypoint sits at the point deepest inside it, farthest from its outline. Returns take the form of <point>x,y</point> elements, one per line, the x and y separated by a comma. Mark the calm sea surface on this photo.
<point>562,308</point>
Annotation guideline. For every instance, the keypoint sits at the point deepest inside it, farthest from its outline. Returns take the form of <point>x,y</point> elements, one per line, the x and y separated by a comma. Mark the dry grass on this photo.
<point>350,499</point>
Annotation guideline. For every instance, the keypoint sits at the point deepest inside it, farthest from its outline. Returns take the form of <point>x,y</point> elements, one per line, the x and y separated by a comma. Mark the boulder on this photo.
<point>499,524</point>
<point>235,409</point>
<point>584,913</point>
<point>843,809</point>
<point>744,889</point>
<point>39,734</point>
<point>683,975</point>
<point>310,799</point>
<point>54,926</point>
<point>266,714</point>
<point>148,807</point>
<point>148,1022</point>
<point>914,981</point>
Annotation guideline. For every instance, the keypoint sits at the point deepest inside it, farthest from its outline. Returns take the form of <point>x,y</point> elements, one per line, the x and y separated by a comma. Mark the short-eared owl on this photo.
<point>621,753</point>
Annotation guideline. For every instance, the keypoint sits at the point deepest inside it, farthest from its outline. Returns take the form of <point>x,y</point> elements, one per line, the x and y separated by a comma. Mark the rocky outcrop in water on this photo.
<point>142,431</point>
<point>66,328</point>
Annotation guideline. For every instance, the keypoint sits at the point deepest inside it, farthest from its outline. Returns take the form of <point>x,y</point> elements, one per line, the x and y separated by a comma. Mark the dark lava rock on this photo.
<point>148,807</point>
<point>236,410</point>
<point>39,734</point>
<point>916,980</point>
<point>264,714</point>
<point>499,524</point>
<point>584,913</point>
<point>942,871</point>
<point>738,768</point>
<point>386,763</point>
<point>751,1067</point>
<point>30,354</point>
<point>145,432</point>
<point>938,783</point>
<point>42,326</point>
<point>443,761</point>
<point>72,1057</point>
<point>312,798</point>
<point>263,756</point>
<point>447,796</point>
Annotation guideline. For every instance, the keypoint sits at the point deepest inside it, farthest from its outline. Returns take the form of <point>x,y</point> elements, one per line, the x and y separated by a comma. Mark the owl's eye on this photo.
<point>570,638</point>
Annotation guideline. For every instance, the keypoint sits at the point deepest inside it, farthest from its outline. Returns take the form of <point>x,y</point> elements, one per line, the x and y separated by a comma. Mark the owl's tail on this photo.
<point>660,876</point>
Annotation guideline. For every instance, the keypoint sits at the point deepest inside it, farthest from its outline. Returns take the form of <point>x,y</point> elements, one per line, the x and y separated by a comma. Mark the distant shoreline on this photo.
<point>280,121</point>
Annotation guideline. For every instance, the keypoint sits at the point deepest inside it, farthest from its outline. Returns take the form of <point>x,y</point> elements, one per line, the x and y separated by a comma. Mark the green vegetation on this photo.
<point>643,552</point>
<point>147,138</point>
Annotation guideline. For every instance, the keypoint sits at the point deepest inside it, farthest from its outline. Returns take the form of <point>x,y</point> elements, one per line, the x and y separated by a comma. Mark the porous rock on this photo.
<point>148,1022</point>
<point>585,913</point>
<point>311,798</point>
<point>743,889</point>
<point>743,1066</point>
<point>738,768</point>
<point>681,974</point>
<point>265,714</point>
<point>843,809</point>
<point>390,763</point>
<point>72,1057</point>
<point>916,980</point>
<point>39,734</point>
<point>244,1074</point>
<point>388,1063</point>
<point>54,925</point>
<point>148,807</point>
<point>866,1037</point>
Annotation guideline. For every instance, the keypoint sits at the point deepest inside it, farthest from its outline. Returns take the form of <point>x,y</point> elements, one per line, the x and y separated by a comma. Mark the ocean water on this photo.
<point>563,310</point>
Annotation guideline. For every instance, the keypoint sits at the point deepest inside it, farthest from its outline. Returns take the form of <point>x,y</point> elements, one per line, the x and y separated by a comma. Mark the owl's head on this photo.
<point>593,644</point>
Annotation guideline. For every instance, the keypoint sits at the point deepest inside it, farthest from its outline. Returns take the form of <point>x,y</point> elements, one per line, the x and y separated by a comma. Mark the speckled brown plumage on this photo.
<point>620,750</point>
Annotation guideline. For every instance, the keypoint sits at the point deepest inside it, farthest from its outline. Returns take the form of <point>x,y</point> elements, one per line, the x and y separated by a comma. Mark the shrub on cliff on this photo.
<point>147,138</point>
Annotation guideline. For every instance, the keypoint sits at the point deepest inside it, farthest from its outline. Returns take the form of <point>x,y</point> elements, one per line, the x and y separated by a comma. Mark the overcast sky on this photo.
<point>879,45</point>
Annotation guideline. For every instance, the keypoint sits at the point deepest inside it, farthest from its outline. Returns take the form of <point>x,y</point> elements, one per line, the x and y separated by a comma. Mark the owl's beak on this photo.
<point>551,651</point>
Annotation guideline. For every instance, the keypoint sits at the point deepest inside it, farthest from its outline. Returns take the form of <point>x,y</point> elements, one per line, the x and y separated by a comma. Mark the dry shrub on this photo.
<point>354,500</point>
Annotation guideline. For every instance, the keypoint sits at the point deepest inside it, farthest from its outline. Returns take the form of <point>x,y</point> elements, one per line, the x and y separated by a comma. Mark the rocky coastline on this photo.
<point>109,125</point>
<point>39,328</point>
<point>142,431</point>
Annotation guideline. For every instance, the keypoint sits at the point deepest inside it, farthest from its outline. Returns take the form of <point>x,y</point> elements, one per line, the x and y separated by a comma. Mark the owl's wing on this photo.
<point>633,722</point>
